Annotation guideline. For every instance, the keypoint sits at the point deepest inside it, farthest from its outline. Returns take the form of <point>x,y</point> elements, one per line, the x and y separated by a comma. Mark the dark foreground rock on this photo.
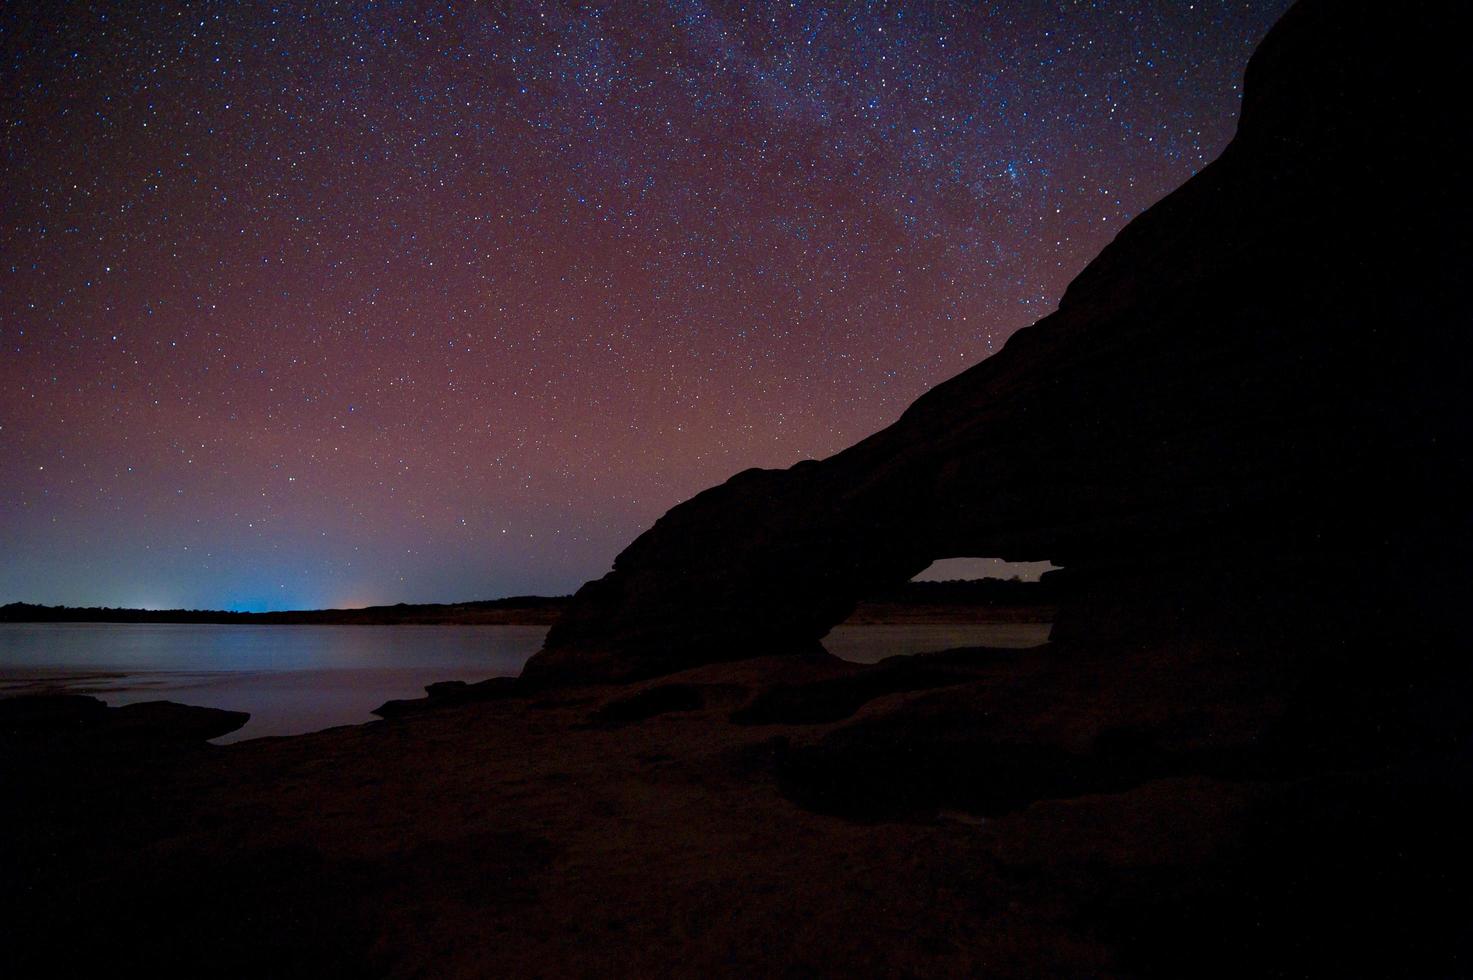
<point>975,813</point>
<point>1001,729</point>
<point>1247,423</point>
<point>447,693</point>
<point>56,723</point>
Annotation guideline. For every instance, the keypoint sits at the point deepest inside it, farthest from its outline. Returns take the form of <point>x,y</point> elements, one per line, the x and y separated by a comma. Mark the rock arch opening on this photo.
<point>971,569</point>
<point>953,603</point>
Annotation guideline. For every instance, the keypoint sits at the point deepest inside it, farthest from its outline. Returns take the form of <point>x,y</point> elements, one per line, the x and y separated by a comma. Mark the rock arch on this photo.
<point>1250,410</point>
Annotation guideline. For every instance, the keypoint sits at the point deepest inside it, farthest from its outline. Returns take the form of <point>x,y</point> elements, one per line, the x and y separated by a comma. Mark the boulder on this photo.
<point>444,694</point>
<point>75,722</point>
<point>174,722</point>
<point>47,714</point>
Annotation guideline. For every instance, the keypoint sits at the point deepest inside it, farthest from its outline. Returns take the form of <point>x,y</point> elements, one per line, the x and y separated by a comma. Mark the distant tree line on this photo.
<point>980,592</point>
<point>522,609</point>
<point>514,609</point>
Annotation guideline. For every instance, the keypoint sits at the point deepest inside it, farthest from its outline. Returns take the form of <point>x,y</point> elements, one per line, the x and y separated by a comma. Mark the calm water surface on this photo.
<point>295,679</point>
<point>290,678</point>
<point>873,643</point>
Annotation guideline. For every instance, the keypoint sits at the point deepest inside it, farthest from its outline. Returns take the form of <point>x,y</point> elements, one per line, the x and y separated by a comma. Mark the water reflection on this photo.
<point>295,679</point>
<point>291,679</point>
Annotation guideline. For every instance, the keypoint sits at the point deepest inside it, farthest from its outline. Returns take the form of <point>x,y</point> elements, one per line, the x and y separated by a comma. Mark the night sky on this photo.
<point>336,304</point>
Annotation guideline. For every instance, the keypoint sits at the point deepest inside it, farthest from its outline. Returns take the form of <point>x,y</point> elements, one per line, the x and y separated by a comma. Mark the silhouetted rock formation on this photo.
<point>1248,422</point>
<point>55,724</point>
<point>444,694</point>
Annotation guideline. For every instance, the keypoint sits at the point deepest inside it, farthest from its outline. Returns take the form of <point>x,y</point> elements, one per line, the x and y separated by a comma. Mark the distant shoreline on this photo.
<point>974,601</point>
<point>511,611</point>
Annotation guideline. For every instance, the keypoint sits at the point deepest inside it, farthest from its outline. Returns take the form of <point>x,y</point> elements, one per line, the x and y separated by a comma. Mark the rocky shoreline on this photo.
<point>975,812</point>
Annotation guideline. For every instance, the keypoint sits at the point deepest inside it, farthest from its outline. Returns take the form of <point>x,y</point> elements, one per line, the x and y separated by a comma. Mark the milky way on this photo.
<point>312,305</point>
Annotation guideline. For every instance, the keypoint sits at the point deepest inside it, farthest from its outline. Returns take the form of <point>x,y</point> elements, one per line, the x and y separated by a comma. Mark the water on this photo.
<point>291,679</point>
<point>870,644</point>
<point>295,679</point>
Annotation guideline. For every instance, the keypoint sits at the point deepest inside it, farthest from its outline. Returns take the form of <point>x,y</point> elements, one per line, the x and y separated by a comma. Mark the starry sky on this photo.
<point>335,304</point>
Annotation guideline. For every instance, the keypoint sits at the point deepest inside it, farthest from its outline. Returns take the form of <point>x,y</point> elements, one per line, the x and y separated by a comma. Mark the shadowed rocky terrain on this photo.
<point>1244,752</point>
<point>973,813</point>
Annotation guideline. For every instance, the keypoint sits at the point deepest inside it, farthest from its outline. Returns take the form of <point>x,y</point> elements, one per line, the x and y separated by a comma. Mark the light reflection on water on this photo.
<point>295,679</point>
<point>291,679</point>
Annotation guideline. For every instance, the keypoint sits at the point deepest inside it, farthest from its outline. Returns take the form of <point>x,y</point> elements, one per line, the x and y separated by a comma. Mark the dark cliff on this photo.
<point>1248,420</point>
